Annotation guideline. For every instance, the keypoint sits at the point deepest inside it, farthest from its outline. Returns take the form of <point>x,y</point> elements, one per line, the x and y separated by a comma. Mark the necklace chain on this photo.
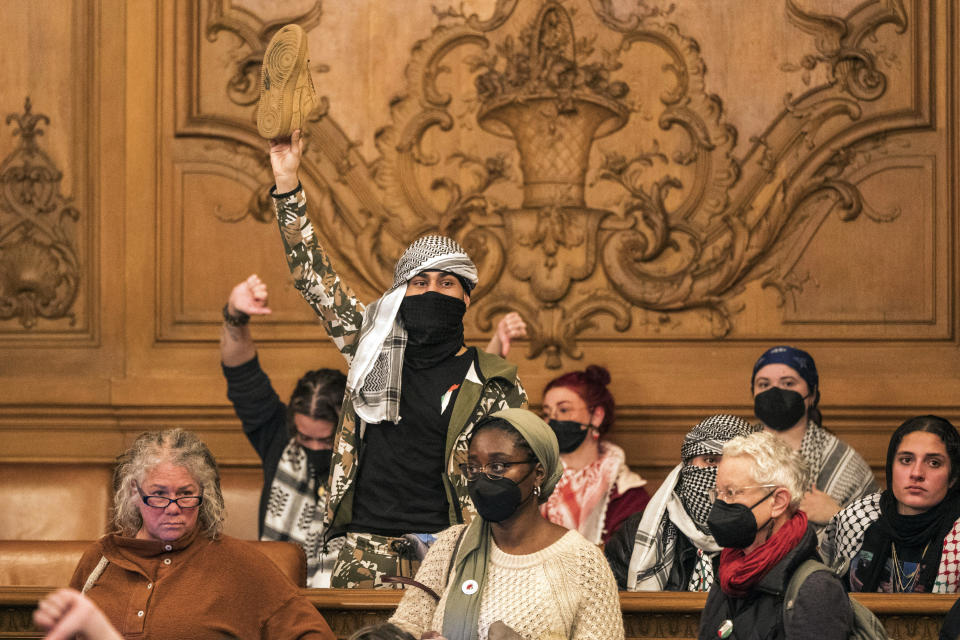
<point>905,583</point>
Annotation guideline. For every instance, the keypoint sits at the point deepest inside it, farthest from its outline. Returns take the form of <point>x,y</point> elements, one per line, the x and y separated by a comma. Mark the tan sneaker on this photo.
<point>287,95</point>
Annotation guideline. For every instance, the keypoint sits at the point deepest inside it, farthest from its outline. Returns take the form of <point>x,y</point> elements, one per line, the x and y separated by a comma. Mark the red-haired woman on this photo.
<point>598,490</point>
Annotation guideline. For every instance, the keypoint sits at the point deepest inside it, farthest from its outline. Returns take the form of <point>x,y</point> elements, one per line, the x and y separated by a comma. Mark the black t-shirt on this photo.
<point>399,487</point>
<point>910,566</point>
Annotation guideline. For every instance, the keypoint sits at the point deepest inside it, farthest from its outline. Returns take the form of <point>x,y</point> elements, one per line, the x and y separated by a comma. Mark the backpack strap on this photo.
<point>866,625</point>
<point>413,583</point>
<point>95,574</point>
<point>804,571</point>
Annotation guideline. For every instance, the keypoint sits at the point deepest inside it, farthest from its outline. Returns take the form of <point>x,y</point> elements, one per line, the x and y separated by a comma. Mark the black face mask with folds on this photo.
<point>779,408</point>
<point>434,324</point>
<point>570,434</point>
<point>734,526</point>
<point>319,460</point>
<point>496,500</point>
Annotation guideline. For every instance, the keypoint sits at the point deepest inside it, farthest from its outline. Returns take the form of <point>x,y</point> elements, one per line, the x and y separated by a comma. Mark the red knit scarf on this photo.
<point>739,572</point>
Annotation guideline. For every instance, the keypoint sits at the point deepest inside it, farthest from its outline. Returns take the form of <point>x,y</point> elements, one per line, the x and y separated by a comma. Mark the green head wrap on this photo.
<point>462,612</point>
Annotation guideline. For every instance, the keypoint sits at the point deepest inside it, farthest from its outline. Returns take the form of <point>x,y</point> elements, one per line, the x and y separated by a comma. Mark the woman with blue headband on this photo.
<point>786,392</point>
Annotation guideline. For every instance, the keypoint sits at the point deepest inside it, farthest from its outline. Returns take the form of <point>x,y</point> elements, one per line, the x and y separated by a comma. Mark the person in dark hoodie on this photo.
<point>294,440</point>
<point>765,538</point>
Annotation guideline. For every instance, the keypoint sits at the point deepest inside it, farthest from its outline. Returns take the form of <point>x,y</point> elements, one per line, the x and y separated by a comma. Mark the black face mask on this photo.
<point>319,460</point>
<point>779,408</point>
<point>570,433</point>
<point>434,324</point>
<point>733,525</point>
<point>496,500</point>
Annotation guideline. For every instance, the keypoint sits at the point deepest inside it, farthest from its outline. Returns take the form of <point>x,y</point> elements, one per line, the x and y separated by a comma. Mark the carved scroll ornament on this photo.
<point>39,269</point>
<point>684,224</point>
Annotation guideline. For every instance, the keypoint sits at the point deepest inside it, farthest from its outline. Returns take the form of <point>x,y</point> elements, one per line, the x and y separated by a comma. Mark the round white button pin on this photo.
<point>469,587</point>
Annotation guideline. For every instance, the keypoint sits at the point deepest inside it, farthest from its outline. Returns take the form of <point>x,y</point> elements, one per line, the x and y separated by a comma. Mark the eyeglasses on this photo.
<point>493,470</point>
<point>159,502</point>
<point>732,494</point>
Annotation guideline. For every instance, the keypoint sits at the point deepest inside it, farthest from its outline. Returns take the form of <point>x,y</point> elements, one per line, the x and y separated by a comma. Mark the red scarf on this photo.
<point>739,572</point>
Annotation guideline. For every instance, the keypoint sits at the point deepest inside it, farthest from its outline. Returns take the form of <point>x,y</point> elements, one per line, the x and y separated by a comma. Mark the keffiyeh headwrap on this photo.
<point>374,378</point>
<point>462,612</point>
<point>706,438</point>
<point>680,507</point>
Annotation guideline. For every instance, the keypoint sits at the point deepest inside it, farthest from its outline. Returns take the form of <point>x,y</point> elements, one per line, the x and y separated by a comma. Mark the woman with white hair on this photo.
<point>765,538</point>
<point>168,572</point>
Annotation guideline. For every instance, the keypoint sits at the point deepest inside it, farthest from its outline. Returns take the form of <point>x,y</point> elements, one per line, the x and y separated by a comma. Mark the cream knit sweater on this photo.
<point>565,591</point>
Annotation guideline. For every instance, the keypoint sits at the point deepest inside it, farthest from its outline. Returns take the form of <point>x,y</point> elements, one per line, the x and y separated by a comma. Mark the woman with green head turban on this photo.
<point>510,571</point>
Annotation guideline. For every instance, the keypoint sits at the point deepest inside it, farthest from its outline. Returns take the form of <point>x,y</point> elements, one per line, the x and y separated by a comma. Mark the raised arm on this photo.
<point>333,301</point>
<point>253,397</point>
<point>511,327</point>
<point>249,298</point>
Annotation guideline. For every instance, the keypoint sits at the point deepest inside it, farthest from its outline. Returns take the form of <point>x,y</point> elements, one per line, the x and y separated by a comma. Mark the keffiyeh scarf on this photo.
<point>843,539</point>
<point>835,467</point>
<point>581,497</point>
<point>373,381</point>
<point>654,549</point>
<point>295,513</point>
<point>680,507</point>
<point>693,487</point>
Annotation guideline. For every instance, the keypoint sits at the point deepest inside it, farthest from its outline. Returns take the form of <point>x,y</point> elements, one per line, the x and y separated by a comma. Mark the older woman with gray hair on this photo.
<point>766,538</point>
<point>167,571</point>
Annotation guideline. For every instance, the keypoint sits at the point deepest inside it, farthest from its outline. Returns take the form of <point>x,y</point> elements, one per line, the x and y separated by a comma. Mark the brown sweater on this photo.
<point>196,588</point>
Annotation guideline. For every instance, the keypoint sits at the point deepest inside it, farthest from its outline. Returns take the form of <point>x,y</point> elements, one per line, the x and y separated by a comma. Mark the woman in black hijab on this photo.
<point>907,538</point>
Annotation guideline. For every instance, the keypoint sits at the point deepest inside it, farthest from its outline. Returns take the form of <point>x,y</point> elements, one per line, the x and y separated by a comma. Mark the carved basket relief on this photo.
<point>574,149</point>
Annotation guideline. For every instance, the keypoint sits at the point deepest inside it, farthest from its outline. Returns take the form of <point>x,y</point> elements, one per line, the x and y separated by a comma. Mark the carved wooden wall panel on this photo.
<point>665,188</point>
<point>47,208</point>
<point>584,156</point>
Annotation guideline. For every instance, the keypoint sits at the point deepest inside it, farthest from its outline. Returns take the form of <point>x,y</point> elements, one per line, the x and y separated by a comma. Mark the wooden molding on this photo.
<point>646,615</point>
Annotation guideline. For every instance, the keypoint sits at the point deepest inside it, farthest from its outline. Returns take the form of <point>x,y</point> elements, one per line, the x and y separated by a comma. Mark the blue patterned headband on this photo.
<point>797,359</point>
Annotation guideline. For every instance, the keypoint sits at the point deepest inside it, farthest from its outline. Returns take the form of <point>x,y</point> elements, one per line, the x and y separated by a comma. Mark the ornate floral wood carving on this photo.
<point>512,166</point>
<point>243,87</point>
<point>39,269</point>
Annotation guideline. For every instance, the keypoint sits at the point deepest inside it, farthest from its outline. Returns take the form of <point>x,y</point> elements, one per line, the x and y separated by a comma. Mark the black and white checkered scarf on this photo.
<point>373,381</point>
<point>680,507</point>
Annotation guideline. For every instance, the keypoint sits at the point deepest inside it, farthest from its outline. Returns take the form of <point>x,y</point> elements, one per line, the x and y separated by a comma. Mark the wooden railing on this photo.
<point>645,615</point>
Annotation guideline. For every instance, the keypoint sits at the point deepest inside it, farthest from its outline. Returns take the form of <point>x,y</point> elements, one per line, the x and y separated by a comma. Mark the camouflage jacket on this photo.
<point>490,385</point>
